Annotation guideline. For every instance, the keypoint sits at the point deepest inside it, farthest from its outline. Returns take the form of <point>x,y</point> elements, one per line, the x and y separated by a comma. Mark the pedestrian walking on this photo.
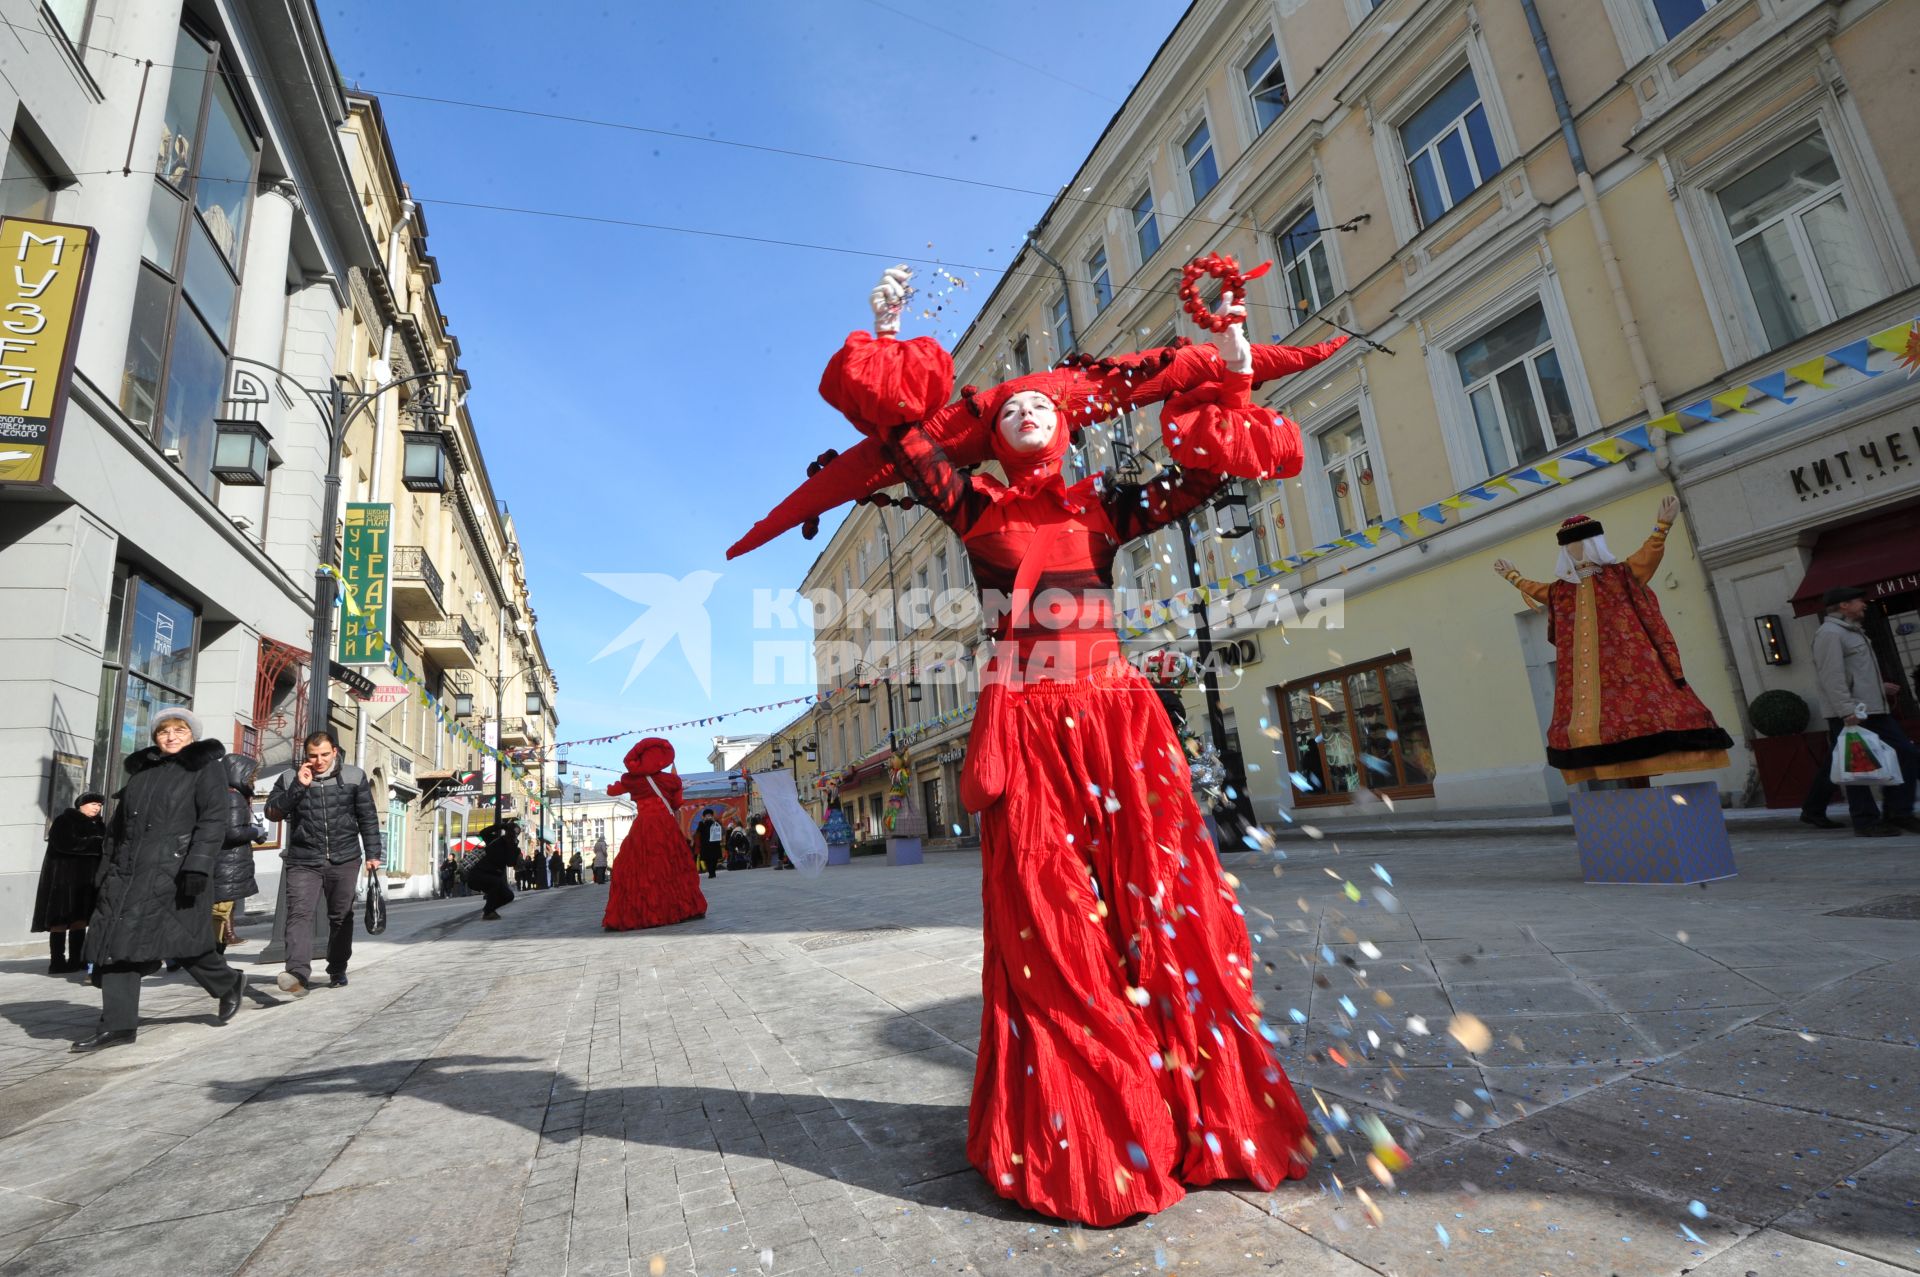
<point>499,850</point>
<point>576,870</point>
<point>1856,694</point>
<point>65,897</point>
<point>714,849</point>
<point>332,829</point>
<point>556,869</point>
<point>656,885</point>
<point>161,844</point>
<point>449,876</point>
<point>233,879</point>
<point>599,862</point>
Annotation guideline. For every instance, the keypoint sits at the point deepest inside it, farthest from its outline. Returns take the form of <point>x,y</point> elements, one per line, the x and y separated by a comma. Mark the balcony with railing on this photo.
<point>418,593</point>
<point>451,642</point>
<point>519,731</point>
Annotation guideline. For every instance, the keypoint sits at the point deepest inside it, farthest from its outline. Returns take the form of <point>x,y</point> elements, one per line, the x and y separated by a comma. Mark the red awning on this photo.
<point>1880,555</point>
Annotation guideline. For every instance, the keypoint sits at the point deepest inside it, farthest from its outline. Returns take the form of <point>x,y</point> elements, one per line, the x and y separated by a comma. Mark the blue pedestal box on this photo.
<point>1664,834</point>
<point>839,853</point>
<point>903,851</point>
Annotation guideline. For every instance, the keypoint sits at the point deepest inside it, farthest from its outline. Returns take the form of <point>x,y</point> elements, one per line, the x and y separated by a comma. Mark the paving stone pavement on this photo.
<point>781,1088</point>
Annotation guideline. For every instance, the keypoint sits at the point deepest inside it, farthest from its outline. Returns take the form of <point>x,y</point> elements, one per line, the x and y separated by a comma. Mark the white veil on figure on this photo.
<point>1597,556</point>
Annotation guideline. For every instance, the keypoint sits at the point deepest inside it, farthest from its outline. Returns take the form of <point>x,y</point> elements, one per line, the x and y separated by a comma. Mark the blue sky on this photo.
<point>643,396</point>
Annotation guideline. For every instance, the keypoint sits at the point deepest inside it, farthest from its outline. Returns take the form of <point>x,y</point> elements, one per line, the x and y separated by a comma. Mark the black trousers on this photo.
<point>307,885</point>
<point>120,988</point>
<point>491,880</point>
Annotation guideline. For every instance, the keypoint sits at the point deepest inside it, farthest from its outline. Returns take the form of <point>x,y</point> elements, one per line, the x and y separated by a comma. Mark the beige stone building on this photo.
<point>1616,228</point>
<point>462,618</point>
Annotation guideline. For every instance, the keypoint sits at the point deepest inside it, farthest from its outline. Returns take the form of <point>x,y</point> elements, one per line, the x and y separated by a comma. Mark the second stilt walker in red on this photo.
<point>654,879</point>
<point>1121,1054</point>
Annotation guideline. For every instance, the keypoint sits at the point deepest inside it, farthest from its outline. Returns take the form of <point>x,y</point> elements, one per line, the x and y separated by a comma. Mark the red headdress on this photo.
<point>647,764</point>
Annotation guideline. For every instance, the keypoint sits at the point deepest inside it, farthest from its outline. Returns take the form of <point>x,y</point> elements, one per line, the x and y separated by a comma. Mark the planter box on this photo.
<point>1787,766</point>
<point>1662,835</point>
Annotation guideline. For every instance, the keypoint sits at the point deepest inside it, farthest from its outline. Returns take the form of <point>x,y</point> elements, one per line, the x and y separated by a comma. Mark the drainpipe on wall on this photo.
<point>1065,290</point>
<point>1630,329</point>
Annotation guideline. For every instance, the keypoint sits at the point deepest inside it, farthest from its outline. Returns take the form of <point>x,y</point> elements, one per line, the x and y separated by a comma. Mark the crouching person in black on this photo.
<point>167,828</point>
<point>500,849</point>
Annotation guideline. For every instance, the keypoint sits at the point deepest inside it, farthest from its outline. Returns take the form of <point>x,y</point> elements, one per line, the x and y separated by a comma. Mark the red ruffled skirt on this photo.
<point>1121,1057</point>
<point>654,879</point>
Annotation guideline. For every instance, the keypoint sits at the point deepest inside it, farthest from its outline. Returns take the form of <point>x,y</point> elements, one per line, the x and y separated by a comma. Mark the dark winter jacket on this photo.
<point>331,820</point>
<point>65,894</point>
<point>233,870</point>
<point>168,823</point>
<point>73,834</point>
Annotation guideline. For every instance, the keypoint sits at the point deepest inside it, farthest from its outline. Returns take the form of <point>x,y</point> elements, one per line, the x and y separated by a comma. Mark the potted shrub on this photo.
<point>1786,753</point>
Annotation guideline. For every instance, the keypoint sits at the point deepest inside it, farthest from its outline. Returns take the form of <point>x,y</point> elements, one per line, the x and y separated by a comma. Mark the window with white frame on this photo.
<point>1302,249</point>
<point>1022,360</point>
<point>1062,327</point>
<point>940,570</point>
<point>1266,85</point>
<point>1449,148</point>
<point>1796,241</point>
<point>1203,174</point>
<point>1346,468</point>
<point>1521,407</point>
<point>1675,16</point>
<point>1101,278</point>
<point>1267,512</point>
<point>71,15</point>
<point>1146,228</point>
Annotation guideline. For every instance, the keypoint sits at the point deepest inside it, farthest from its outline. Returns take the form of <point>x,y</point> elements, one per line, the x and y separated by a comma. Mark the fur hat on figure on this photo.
<point>91,796</point>
<point>171,713</point>
<point>1842,594</point>
<point>1578,528</point>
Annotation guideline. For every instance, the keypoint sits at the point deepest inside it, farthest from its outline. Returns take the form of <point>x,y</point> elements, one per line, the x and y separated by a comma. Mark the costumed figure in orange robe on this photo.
<point>1122,1057</point>
<point>654,879</point>
<point>1622,709</point>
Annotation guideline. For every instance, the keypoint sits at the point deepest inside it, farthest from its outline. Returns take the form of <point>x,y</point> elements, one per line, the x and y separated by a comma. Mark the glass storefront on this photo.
<point>1360,727</point>
<point>153,638</point>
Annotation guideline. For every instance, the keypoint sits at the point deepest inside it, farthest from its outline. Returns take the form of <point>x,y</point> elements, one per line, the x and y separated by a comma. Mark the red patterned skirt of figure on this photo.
<point>1121,1057</point>
<point>654,879</point>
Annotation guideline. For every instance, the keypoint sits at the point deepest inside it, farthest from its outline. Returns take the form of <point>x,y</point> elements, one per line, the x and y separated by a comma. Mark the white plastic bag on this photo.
<point>1886,763</point>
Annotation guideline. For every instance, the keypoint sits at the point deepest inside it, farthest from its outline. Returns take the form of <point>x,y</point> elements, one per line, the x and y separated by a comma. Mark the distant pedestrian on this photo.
<point>449,876</point>
<point>499,849</point>
<point>576,870</point>
<point>161,844</point>
<point>1855,694</point>
<point>233,879</point>
<point>556,869</point>
<point>738,857</point>
<point>714,848</point>
<point>599,861</point>
<point>66,895</point>
<point>333,827</point>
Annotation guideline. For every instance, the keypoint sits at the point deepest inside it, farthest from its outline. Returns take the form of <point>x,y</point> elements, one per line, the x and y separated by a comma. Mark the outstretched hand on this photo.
<point>1502,568</point>
<point>889,297</point>
<point>1235,351</point>
<point>1669,510</point>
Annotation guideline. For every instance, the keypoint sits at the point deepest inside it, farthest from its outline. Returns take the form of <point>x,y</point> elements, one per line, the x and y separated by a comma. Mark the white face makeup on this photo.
<point>1028,421</point>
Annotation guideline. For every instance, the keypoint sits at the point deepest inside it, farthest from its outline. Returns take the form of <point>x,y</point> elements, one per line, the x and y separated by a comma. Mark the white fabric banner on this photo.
<point>800,838</point>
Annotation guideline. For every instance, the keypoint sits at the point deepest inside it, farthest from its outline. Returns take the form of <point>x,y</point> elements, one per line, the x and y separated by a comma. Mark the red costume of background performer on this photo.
<point>1121,1055</point>
<point>654,879</point>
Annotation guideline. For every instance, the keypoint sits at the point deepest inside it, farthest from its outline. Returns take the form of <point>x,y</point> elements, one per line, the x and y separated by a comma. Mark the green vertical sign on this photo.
<point>365,552</point>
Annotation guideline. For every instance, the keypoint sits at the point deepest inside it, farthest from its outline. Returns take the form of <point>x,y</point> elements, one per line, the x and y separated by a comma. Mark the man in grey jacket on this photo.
<point>1855,694</point>
<point>333,827</point>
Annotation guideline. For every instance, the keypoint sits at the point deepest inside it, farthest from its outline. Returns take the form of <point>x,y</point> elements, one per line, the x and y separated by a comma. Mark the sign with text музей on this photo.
<point>366,551</point>
<point>43,291</point>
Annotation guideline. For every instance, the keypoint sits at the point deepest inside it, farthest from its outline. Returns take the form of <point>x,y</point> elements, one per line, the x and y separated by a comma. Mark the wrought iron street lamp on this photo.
<point>423,461</point>
<point>241,456</point>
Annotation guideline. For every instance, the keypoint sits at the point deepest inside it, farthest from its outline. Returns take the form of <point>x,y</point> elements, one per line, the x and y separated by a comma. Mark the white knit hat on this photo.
<point>167,712</point>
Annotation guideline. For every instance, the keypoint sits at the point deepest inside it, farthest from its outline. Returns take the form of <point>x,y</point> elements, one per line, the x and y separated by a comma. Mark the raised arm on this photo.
<point>1138,510</point>
<point>1534,590</point>
<point>1645,561</point>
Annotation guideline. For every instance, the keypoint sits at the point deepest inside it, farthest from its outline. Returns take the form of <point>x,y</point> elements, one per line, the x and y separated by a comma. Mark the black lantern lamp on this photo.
<point>1773,640</point>
<point>423,464</point>
<point>534,704</point>
<point>240,453</point>
<point>866,693</point>
<point>463,705</point>
<point>813,750</point>
<point>1231,510</point>
<point>777,764</point>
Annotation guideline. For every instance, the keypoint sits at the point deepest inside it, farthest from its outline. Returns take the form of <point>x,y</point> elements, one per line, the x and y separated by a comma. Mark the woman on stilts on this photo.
<point>1121,1056</point>
<point>655,883</point>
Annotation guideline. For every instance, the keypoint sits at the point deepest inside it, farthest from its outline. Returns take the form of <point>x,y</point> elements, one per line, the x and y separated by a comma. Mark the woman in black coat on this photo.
<point>233,879</point>
<point>167,827</point>
<point>66,894</point>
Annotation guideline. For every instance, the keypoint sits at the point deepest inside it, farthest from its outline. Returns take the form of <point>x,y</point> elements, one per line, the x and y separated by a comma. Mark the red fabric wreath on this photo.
<point>1227,271</point>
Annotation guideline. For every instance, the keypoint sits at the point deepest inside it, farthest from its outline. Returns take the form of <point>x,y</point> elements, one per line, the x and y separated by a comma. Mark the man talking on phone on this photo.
<point>332,829</point>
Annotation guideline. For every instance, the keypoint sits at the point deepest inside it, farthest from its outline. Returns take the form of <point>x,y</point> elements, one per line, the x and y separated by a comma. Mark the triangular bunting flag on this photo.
<point>1893,339</point>
<point>1504,484</point>
<point>1398,527</point>
<point>1813,372</point>
<point>1608,449</point>
<point>1458,501</point>
<point>1433,513</point>
<point>1532,475</point>
<point>1480,493</point>
<point>1587,456</point>
<point>1551,469</point>
<point>1854,355</point>
<point>1669,424</point>
<point>1732,400</point>
<point>1412,521</point>
<point>1702,410</point>
<point>1773,386</point>
<point>1637,436</point>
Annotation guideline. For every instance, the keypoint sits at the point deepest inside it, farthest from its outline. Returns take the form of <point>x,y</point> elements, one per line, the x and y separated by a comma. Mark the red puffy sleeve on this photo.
<point>1277,361</point>
<point>878,382</point>
<point>1216,426</point>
